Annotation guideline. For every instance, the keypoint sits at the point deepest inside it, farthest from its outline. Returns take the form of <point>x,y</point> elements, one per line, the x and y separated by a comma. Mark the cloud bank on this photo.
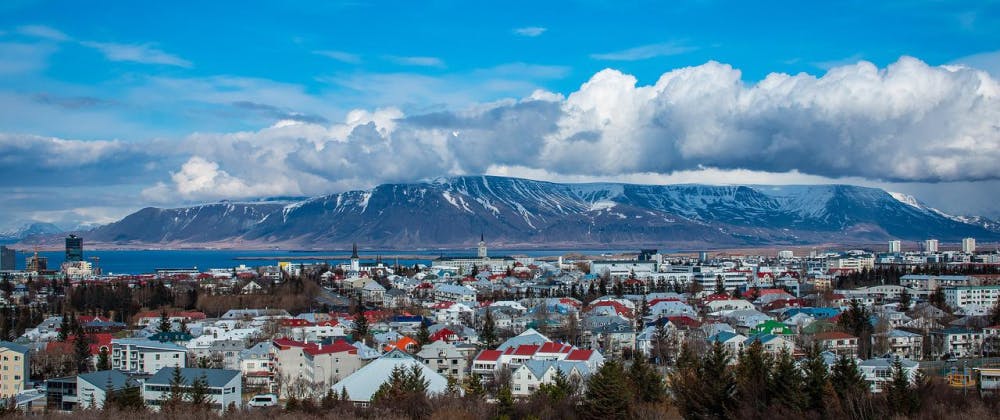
<point>907,123</point>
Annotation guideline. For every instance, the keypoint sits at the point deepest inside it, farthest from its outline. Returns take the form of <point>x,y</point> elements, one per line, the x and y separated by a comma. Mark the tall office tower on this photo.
<point>931,246</point>
<point>969,245</point>
<point>6,258</point>
<point>894,247</point>
<point>74,248</point>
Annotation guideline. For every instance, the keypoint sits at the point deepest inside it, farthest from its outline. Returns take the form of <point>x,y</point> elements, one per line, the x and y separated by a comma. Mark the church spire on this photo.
<point>354,251</point>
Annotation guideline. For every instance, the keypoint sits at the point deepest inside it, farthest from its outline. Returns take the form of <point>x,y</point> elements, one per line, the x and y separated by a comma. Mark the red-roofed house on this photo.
<point>316,363</point>
<point>488,361</point>
<point>98,341</point>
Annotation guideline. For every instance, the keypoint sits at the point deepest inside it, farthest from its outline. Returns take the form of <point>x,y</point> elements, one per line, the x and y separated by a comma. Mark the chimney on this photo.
<point>321,345</point>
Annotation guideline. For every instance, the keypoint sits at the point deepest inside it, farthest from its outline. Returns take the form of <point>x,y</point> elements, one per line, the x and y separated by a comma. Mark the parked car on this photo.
<point>263,400</point>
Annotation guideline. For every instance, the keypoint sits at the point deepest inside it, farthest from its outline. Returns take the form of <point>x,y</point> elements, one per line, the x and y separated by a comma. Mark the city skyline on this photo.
<point>112,110</point>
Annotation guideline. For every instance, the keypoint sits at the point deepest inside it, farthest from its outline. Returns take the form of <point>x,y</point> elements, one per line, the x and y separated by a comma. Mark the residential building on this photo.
<point>14,363</point>
<point>361,385</point>
<point>445,359</point>
<point>92,388</point>
<point>931,246</point>
<point>878,372</point>
<point>527,377</point>
<point>225,389</point>
<point>839,343</point>
<point>135,355</point>
<point>895,247</point>
<point>956,342</point>
<point>60,393</point>
<point>969,245</point>
<point>989,380</point>
<point>904,344</point>
<point>454,293</point>
<point>972,300</point>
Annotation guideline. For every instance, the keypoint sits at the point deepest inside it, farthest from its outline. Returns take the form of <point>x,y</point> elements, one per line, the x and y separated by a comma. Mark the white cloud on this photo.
<point>416,61</point>
<point>644,52</point>
<point>344,57</point>
<point>530,31</point>
<point>44,32</point>
<point>988,61</point>
<point>136,53</point>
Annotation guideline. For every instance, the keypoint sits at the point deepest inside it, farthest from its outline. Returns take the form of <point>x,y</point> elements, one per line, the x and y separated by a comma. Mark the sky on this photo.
<point>111,107</point>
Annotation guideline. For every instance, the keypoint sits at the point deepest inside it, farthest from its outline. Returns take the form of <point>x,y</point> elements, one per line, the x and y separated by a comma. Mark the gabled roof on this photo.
<point>102,379</point>
<point>489,355</point>
<point>580,355</point>
<point>834,335</point>
<point>361,385</point>
<point>216,378</point>
<point>13,346</point>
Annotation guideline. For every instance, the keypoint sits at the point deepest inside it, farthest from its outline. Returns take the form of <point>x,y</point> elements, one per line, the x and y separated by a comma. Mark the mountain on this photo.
<point>23,230</point>
<point>511,211</point>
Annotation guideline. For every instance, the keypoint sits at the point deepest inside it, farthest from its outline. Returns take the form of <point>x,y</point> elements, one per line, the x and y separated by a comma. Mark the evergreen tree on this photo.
<point>608,394</point>
<point>847,380</point>
<point>816,381</point>
<point>292,404</point>
<point>184,327</point>
<point>904,300</point>
<point>130,398</point>
<point>720,392</point>
<point>720,287</point>
<point>646,382</point>
<point>64,328</point>
<point>559,390</point>
<point>81,352</point>
<point>361,328</point>
<point>474,386</point>
<point>786,382</point>
<point>198,392</point>
<point>329,401</point>
<point>488,335</point>
<point>505,402</point>
<point>175,396</point>
<point>103,360</point>
<point>164,322</point>
<point>899,393</point>
<point>753,370</point>
<point>423,334</point>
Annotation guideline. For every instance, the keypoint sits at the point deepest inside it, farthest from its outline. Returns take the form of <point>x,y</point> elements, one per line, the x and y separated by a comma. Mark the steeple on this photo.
<point>482,246</point>
<point>355,260</point>
<point>354,251</point>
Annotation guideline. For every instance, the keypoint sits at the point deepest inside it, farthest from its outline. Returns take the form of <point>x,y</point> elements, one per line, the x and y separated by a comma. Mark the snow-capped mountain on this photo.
<point>21,230</point>
<point>512,211</point>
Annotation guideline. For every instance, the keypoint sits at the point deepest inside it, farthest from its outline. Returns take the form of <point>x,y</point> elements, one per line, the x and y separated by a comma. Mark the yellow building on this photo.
<point>13,368</point>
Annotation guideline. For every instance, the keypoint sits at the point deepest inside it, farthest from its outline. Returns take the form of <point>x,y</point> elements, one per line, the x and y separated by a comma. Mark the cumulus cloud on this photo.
<point>907,123</point>
<point>530,31</point>
<point>137,53</point>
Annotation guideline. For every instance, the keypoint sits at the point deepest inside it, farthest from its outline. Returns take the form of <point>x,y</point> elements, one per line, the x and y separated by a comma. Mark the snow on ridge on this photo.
<point>602,205</point>
<point>906,199</point>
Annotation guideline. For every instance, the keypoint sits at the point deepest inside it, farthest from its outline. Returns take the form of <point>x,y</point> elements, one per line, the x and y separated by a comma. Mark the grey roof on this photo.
<point>529,336</point>
<point>151,344</point>
<point>538,367</point>
<point>887,362</point>
<point>14,346</point>
<point>259,350</point>
<point>361,385</point>
<point>216,378</point>
<point>101,379</point>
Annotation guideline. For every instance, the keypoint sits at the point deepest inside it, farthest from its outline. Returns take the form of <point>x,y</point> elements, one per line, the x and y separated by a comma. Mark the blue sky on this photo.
<point>179,96</point>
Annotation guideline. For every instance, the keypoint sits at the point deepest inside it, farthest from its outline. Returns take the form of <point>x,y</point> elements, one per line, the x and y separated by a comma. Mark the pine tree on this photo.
<point>646,382</point>
<point>184,327</point>
<point>64,328</point>
<point>847,379</point>
<point>816,381</point>
<point>164,326</point>
<point>474,386</point>
<point>198,393</point>
<point>899,393</point>
<point>786,382</point>
<point>904,300</point>
<point>329,401</point>
<point>753,370</point>
<point>103,360</point>
<point>720,288</point>
<point>559,390</point>
<point>81,352</point>
<point>608,394</point>
<point>130,398</point>
<point>488,335</point>
<point>361,329</point>
<point>719,393</point>
<point>423,334</point>
<point>176,395</point>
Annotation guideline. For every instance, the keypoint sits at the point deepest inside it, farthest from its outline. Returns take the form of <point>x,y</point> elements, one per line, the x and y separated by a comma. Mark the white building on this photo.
<point>786,254</point>
<point>92,388</point>
<point>895,247</point>
<point>527,377</point>
<point>145,356</point>
<point>956,342</point>
<point>878,372</point>
<point>972,300</point>
<point>931,246</point>
<point>361,385</point>
<point>969,245</point>
<point>225,388</point>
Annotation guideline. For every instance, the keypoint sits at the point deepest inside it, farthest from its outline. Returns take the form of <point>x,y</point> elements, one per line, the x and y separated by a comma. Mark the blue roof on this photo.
<point>216,378</point>
<point>723,336</point>
<point>14,346</point>
<point>101,379</point>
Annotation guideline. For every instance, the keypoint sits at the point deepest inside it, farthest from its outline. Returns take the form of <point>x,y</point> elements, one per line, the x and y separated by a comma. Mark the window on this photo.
<point>157,356</point>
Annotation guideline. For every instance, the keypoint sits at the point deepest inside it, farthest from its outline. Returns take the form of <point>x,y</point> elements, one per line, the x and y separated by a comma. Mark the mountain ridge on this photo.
<point>454,211</point>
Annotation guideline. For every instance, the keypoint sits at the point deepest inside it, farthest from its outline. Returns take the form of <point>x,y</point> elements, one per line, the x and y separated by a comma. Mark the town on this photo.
<point>572,335</point>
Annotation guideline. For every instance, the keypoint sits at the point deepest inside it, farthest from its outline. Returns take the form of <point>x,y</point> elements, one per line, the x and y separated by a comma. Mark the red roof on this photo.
<point>443,334</point>
<point>489,355</point>
<point>552,347</point>
<point>763,292</point>
<point>523,350</point>
<point>658,300</point>
<point>685,321</point>
<point>294,322</point>
<point>338,346</point>
<point>580,355</point>
<point>96,342</point>
<point>834,335</point>
<point>717,296</point>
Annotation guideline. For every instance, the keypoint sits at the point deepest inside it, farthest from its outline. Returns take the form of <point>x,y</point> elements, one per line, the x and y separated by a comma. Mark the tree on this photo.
<point>64,327</point>
<point>198,393</point>
<point>905,299</point>
<point>474,386</point>
<point>361,328</point>
<point>856,320</point>
<point>720,287</point>
<point>753,371</point>
<point>899,393</point>
<point>103,360</point>
<point>129,398</point>
<point>184,327</point>
<point>81,352</point>
<point>786,382</point>
<point>488,335</point>
<point>608,394</point>
<point>164,326</point>
<point>816,382</point>
<point>646,382</point>
<point>937,299</point>
<point>423,334</point>
<point>848,383</point>
<point>995,314</point>
<point>405,391</point>
<point>175,396</point>
<point>559,390</point>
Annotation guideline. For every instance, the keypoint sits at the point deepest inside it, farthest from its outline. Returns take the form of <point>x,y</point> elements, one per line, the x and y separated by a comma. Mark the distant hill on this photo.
<point>511,211</point>
<point>23,230</point>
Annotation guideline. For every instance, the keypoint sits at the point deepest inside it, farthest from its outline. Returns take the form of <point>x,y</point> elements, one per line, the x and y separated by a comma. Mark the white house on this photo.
<point>145,356</point>
<point>361,385</point>
<point>877,372</point>
<point>225,388</point>
<point>92,388</point>
<point>527,377</point>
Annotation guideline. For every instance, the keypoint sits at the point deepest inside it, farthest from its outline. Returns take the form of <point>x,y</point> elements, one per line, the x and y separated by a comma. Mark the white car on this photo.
<point>263,400</point>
